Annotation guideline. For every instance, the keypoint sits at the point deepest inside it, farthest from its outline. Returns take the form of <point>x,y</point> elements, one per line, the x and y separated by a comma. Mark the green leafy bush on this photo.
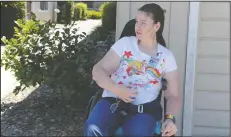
<point>17,55</point>
<point>108,10</point>
<point>80,11</point>
<point>65,15</point>
<point>92,14</point>
<point>41,54</point>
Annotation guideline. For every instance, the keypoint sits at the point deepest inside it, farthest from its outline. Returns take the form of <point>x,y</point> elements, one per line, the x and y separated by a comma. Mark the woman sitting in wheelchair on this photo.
<point>131,74</point>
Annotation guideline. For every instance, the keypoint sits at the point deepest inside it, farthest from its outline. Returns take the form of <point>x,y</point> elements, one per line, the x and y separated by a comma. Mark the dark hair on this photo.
<point>157,14</point>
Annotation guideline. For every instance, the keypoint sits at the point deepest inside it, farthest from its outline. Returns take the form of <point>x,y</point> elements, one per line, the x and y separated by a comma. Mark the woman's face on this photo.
<point>145,27</point>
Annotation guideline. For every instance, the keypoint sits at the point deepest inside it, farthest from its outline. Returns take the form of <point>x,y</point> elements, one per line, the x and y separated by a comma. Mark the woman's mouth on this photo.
<point>138,33</point>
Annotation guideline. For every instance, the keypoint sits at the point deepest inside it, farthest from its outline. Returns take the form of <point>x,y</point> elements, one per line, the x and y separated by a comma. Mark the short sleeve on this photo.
<point>119,46</point>
<point>170,63</point>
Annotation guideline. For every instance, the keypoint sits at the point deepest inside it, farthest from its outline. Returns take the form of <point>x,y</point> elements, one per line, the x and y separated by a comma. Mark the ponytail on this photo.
<point>159,35</point>
<point>160,39</point>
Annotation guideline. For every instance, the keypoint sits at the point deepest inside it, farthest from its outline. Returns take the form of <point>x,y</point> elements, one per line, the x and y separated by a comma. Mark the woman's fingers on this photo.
<point>129,99</point>
<point>165,129</point>
<point>169,130</point>
<point>171,133</point>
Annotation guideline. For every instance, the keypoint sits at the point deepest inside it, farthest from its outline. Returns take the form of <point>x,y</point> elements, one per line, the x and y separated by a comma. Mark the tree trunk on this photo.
<point>28,10</point>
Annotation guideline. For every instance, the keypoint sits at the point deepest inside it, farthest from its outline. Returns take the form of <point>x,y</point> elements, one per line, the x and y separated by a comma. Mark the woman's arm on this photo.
<point>172,94</point>
<point>104,68</point>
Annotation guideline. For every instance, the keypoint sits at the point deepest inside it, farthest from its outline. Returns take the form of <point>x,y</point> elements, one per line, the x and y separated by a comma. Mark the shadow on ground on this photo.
<point>41,113</point>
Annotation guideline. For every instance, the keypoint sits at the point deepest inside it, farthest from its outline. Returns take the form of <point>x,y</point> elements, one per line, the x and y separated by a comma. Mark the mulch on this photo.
<point>40,113</point>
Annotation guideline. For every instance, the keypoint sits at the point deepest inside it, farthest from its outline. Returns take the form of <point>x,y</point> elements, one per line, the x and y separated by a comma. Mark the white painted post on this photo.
<point>190,68</point>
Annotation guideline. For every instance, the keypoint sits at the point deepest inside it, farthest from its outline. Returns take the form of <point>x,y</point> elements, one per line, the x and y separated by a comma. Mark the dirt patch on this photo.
<point>39,113</point>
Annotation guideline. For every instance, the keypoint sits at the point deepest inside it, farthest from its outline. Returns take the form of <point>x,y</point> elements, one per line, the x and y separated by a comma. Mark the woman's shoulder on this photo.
<point>165,51</point>
<point>127,39</point>
<point>124,43</point>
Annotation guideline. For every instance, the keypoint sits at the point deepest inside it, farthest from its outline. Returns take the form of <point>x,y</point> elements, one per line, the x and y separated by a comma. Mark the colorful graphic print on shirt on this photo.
<point>139,74</point>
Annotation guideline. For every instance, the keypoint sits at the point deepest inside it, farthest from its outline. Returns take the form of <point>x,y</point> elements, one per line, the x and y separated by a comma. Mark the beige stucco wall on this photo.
<point>44,15</point>
<point>211,97</point>
<point>175,32</point>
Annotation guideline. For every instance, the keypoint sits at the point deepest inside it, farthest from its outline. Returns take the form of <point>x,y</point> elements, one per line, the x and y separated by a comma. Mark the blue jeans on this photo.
<point>102,122</point>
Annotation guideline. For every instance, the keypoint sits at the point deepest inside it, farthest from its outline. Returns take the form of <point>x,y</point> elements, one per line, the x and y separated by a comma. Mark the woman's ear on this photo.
<point>157,26</point>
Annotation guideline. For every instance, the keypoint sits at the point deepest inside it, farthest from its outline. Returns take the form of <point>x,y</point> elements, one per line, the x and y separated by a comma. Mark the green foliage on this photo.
<point>108,10</point>
<point>16,56</point>
<point>92,14</point>
<point>19,6</point>
<point>41,54</point>
<point>65,15</point>
<point>80,11</point>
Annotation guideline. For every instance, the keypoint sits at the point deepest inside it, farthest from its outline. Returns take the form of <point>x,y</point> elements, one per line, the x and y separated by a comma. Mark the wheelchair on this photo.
<point>98,95</point>
<point>128,31</point>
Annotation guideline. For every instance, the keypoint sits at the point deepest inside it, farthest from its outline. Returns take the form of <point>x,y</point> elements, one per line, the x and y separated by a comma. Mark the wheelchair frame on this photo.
<point>98,95</point>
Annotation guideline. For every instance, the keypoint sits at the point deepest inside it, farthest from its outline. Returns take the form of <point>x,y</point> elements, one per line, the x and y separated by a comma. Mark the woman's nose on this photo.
<point>138,26</point>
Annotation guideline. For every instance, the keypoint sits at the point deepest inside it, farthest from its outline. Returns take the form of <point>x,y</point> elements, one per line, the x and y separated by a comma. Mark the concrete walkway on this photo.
<point>8,81</point>
<point>85,26</point>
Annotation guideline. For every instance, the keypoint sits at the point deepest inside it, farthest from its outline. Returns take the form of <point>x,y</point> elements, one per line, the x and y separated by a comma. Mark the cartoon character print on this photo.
<point>156,66</point>
<point>135,67</point>
<point>138,74</point>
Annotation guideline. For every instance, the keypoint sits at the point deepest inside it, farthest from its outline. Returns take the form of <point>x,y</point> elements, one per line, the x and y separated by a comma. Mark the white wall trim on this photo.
<point>190,68</point>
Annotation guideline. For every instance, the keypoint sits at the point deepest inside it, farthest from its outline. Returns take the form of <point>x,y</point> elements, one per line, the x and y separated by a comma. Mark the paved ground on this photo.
<point>86,26</point>
<point>8,81</point>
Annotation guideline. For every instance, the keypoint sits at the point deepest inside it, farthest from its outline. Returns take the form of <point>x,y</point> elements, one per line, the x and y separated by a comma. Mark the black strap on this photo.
<point>153,108</point>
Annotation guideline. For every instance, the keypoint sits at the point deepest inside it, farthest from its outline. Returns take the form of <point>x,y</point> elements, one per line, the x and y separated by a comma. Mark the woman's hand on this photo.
<point>168,128</point>
<point>126,94</point>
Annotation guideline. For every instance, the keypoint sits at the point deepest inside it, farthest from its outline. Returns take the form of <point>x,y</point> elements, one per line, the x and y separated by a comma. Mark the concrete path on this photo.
<point>8,81</point>
<point>85,26</point>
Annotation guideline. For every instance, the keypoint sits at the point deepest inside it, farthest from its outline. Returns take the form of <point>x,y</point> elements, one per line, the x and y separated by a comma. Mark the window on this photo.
<point>44,5</point>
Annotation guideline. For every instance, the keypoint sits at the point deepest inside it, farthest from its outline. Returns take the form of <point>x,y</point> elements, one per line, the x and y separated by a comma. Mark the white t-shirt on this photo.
<point>140,71</point>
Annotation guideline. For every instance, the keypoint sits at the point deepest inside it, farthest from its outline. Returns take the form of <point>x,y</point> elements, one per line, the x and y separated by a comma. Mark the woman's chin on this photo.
<point>138,37</point>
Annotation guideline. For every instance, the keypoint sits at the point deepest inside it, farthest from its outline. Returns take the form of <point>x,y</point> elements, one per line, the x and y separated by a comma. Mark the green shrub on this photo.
<point>17,53</point>
<point>40,54</point>
<point>67,12</point>
<point>108,10</point>
<point>65,15</point>
<point>92,14</point>
<point>80,11</point>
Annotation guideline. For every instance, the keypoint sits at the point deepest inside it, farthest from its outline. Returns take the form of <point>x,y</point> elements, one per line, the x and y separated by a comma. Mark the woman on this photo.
<point>130,74</point>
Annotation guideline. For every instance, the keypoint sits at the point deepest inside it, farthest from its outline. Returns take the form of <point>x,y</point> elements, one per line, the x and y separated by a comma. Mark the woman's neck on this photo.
<point>148,47</point>
<point>149,44</point>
